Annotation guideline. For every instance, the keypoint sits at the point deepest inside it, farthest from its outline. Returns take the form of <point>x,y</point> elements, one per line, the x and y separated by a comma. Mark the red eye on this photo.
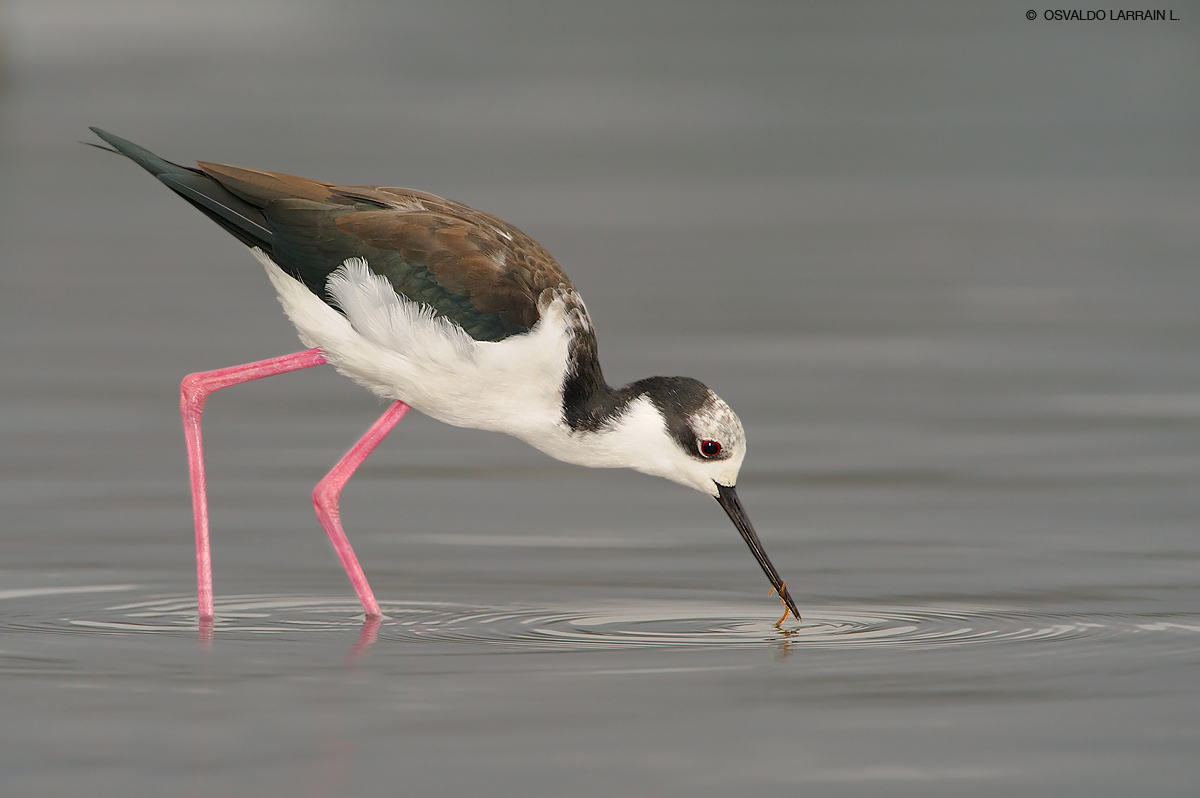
<point>710,448</point>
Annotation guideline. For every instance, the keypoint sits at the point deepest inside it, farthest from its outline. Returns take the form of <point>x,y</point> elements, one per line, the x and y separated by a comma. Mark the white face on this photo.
<point>705,449</point>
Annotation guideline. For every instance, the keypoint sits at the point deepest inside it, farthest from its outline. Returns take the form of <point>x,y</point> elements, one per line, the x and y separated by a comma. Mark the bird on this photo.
<point>437,306</point>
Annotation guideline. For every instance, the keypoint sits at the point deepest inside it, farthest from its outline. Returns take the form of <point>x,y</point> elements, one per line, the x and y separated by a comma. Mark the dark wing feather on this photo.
<point>480,272</point>
<point>239,218</point>
<point>476,270</point>
<point>497,268</point>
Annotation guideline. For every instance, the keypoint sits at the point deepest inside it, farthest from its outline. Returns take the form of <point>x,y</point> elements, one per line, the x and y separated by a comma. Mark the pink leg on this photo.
<point>193,392</point>
<point>325,500</point>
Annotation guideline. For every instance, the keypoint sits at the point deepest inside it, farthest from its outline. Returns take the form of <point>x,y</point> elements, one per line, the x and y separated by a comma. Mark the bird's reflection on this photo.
<point>206,632</point>
<point>366,638</point>
<point>783,646</point>
<point>368,633</point>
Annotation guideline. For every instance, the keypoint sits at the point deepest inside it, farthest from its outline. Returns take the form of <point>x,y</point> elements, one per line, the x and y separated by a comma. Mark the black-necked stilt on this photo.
<point>454,312</point>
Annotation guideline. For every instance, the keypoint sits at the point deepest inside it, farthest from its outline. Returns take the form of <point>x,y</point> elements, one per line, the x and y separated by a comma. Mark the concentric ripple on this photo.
<point>661,624</point>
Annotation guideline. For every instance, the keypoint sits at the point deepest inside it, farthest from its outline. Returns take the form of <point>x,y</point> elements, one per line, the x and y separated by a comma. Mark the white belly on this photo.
<point>400,350</point>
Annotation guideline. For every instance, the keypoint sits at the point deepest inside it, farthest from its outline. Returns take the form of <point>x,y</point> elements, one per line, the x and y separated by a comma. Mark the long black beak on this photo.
<point>728,498</point>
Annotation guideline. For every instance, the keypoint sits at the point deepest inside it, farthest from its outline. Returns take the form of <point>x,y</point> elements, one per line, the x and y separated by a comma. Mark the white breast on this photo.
<point>401,350</point>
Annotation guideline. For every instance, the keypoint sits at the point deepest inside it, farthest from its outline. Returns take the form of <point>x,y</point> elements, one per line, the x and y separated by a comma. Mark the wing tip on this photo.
<point>140,155</point>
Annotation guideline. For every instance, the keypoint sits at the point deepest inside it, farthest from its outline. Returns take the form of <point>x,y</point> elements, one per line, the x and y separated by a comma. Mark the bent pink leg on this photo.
<point>193,392</point>
<point>325,501</point>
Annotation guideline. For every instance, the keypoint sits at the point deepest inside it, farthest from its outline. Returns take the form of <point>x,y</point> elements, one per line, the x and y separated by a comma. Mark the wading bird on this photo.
<point>452,311</point>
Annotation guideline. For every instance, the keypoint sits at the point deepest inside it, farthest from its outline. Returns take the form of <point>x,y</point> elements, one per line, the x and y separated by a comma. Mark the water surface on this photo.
<point>941,260</point>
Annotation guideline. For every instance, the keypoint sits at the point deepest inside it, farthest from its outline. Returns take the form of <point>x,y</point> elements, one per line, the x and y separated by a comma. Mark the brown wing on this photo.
<point>479,271</point>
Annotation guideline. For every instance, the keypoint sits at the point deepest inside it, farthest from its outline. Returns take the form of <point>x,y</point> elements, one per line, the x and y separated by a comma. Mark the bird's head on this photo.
<point>691,436</point>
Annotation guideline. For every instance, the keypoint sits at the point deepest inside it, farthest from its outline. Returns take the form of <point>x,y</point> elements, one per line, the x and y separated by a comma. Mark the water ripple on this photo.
<point>657,624</point>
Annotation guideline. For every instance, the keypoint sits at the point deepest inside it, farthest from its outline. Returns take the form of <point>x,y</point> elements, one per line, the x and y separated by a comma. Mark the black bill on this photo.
<point>728,498</point>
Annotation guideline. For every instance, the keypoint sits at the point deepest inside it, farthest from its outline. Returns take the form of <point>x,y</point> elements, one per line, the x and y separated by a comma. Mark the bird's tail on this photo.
<point>142,156</point>
<point>237,216</point>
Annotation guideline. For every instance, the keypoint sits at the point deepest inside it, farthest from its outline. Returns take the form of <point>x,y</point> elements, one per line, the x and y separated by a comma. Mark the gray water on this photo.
<point>941,259</point>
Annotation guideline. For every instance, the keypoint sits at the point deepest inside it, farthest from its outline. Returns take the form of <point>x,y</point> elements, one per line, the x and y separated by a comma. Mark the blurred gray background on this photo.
<point>941,259</point>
